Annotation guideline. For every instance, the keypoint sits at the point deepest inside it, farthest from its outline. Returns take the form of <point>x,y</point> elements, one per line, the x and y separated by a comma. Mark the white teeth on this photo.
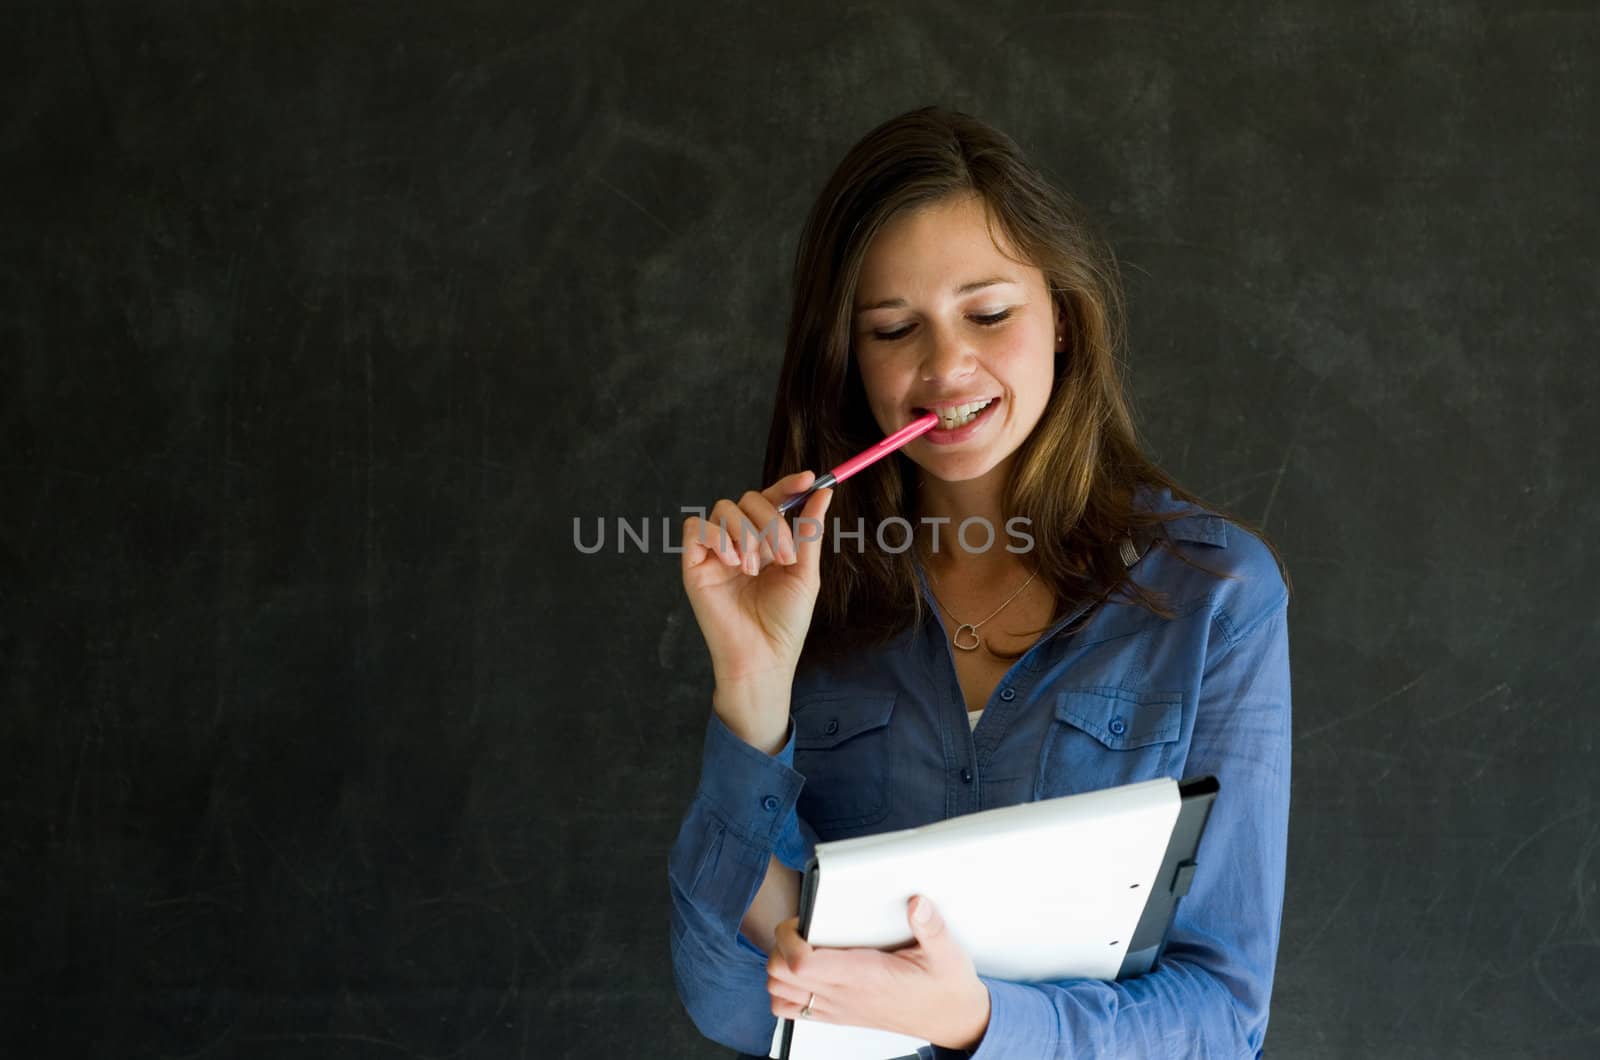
<point>960,415</point>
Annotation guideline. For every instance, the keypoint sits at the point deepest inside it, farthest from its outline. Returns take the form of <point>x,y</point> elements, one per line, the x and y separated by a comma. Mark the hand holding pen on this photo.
<point>752,582</point>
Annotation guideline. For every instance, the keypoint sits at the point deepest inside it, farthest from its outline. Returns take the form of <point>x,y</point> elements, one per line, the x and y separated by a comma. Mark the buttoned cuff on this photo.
<point>753,792</point>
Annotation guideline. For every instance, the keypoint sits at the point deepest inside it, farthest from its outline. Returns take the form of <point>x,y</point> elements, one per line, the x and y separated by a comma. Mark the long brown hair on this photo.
<point>1076,475</point>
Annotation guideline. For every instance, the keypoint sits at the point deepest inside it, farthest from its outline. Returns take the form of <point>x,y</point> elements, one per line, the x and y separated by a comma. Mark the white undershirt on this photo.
<point>973,716</point>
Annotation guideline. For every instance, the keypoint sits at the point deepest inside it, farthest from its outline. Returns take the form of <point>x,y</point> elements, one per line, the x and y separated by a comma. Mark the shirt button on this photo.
<point>1118,727</point>
<point>1008,694</point>
<point>966,776</point>
<point>769,803</point>
<point>832,726</point>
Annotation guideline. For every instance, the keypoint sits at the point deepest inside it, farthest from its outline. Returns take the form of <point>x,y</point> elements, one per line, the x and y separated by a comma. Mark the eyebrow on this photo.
<point>966,288</point>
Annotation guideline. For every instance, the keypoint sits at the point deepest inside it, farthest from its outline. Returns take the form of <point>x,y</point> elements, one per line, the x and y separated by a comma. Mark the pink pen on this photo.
<point>915,429</point>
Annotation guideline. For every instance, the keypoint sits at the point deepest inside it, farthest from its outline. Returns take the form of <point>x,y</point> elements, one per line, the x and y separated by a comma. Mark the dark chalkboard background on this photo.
<point>322,321</point>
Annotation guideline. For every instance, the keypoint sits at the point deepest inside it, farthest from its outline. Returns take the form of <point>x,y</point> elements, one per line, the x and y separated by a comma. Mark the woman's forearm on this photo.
<point>776,901</point>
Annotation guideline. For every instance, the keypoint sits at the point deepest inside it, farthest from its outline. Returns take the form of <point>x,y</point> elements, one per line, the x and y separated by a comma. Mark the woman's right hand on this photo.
<point>753,597</point>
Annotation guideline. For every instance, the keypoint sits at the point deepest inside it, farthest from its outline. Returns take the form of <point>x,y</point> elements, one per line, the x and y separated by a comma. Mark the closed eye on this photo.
<point>987,320</point>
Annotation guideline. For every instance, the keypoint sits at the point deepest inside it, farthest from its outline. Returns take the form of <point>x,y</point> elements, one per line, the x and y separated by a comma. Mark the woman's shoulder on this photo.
<point>1206,557</point>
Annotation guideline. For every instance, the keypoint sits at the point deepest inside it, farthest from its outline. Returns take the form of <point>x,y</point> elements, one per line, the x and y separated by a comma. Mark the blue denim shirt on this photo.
<point>882,742</point>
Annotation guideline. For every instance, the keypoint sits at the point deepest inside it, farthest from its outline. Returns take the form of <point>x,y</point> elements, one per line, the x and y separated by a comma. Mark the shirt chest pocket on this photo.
<point>1103,737</point>
<point>841,747</point>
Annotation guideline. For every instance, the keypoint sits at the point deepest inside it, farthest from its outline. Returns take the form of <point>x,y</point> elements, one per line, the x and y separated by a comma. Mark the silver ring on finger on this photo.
<point>805,1013</point>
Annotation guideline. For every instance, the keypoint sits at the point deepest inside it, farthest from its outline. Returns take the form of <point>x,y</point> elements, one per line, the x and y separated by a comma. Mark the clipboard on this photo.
<point>1091,881</point>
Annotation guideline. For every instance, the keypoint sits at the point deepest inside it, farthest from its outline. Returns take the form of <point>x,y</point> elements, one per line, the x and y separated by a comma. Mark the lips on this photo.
<point>941,406</point>
<point>950,413</point>
<point>954,435</point>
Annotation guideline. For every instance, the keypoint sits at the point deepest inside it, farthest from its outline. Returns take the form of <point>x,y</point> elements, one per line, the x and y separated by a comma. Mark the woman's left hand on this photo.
<point>928,989</point>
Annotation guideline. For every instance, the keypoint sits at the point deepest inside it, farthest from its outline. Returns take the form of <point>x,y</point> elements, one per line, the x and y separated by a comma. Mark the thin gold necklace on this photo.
<point>971,628</point>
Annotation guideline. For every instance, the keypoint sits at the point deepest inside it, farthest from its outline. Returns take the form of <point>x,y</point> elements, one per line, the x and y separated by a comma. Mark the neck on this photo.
<point>953,503</point>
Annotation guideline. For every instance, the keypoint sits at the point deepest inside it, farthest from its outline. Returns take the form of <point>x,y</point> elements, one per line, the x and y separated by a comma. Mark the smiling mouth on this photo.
<point>958,415</point>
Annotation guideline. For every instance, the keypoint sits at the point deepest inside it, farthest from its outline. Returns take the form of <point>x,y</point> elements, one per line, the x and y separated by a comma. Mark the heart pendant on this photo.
<point>968,629</point>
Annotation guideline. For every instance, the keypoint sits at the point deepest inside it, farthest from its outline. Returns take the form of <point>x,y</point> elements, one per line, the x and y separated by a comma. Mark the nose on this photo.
<point>947,359</point>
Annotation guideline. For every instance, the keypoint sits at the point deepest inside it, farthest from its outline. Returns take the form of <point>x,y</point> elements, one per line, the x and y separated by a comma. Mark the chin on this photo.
<point>963,467</point>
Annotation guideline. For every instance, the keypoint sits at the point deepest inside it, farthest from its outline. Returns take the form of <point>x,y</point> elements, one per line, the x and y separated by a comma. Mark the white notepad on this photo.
<point>1054,889</point>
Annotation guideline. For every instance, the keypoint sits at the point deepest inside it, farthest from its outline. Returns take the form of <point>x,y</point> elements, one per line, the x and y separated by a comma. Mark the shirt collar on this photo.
<point>1198,525</point>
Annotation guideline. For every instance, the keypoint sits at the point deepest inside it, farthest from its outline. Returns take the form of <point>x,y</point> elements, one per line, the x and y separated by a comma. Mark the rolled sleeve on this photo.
<point>751,791</point>
<point>742,813</point>
<point>1208,994</point>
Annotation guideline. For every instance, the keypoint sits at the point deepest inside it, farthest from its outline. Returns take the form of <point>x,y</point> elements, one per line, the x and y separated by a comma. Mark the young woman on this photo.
<point>1016,606</point>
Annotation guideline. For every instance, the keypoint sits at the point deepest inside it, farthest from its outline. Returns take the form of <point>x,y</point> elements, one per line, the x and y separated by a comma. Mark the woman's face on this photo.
<point>944,321</point>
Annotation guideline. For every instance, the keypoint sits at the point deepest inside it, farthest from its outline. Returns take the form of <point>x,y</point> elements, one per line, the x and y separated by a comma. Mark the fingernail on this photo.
<point>921,913</point>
